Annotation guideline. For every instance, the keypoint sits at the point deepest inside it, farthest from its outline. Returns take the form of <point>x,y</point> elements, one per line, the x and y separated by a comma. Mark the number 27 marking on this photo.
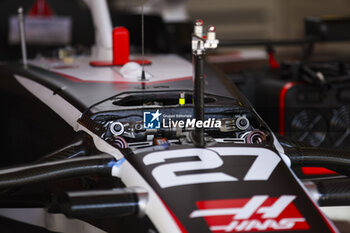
<point>165,174</point>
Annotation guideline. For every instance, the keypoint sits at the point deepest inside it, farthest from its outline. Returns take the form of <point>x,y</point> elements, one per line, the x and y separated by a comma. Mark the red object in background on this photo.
<point>120,46</point>
<point>110,63</point>
<point>282,99</point>
<point>41,8</point>
<point>272,60</point>
<point>317,171</point>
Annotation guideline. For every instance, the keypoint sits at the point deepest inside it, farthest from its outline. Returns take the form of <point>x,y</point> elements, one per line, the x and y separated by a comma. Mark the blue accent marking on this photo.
<point>118,163</point>
<point>165,145</point>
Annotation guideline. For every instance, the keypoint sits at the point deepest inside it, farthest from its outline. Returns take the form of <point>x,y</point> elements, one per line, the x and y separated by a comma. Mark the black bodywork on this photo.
<point>42,131</point>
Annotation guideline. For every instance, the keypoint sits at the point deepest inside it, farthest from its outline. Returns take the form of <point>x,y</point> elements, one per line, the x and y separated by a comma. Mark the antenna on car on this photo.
<point>143,76</point>
<point>200,44</point>
<point>23,37</point>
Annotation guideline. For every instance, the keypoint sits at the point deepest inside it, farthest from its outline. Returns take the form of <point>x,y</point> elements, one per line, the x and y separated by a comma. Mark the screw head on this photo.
<point>211,29</point>
<point>199,22</point>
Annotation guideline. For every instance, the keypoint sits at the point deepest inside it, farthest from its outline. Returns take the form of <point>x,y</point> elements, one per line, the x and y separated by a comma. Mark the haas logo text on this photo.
<point>259,213</point>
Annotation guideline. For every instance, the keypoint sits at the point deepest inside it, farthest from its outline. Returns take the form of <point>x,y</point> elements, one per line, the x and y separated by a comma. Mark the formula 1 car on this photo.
<point>95,146</point>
